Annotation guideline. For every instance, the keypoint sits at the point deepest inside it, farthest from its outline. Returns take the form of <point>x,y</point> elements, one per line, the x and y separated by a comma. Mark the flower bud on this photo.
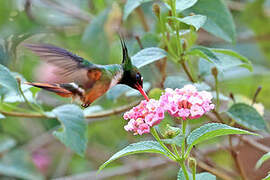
<point>18,80</point>
<point>184,44</point>
<point>192,163</point>
<point>170,21</point>
<point>214,72</point>
<point>171,131</point>
<point>156,9</point>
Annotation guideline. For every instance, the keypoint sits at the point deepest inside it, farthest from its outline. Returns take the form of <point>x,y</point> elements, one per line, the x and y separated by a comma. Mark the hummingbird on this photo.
<point>86,81</point>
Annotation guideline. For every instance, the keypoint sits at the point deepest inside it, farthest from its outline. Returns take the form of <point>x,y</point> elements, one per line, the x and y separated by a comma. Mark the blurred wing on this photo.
<point>70,67</point>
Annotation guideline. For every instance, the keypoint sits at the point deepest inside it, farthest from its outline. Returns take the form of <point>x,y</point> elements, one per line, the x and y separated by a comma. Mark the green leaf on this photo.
<point>7,80</point>
<point>247,116</point>
<point>246,63</point>
<point>200,176</point>
<point>177,140</point>
<point>196,20</point>
<point>131,5</point>
<point>147,56</point>
<point>204,53</point>
<point>181,5</point>
<point>117,91</point>
<point>73,131</point>
<point>211,130</point>
<point>219,19</point>
<point>264,158</point>
<point>135,148</point>
<point>18,164</point>
<point>223,59</point>
<point>2,116</point>
<point>6,143</point>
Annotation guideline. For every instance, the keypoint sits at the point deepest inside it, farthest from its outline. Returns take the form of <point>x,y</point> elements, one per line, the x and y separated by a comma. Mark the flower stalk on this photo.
<point>156,136</point>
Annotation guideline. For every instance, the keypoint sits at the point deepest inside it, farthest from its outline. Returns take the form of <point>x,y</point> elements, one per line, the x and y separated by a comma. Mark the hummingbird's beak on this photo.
<point>139,88</point>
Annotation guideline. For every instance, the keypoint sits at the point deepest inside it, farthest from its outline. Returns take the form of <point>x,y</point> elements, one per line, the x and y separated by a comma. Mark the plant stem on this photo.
<point>183,158</point>
<point>184,125</point>
<point>176,26</point>
<point>194,173</point>
<point>26,100</point>
<point>217,92</point>
<point>182,61</point>
<point>175,151</point>
<point>155,134</point>
<point>164,37</point>
<point>183,166</point>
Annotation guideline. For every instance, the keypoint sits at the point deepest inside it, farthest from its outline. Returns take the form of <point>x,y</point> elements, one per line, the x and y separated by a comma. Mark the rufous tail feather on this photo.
<point>64,90</point>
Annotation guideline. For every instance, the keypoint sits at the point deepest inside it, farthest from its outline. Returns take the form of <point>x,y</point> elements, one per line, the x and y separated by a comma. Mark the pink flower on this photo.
<point>196,111</point>
<point>147,114</point>
<point>143,128</point>
<point>186,102</point>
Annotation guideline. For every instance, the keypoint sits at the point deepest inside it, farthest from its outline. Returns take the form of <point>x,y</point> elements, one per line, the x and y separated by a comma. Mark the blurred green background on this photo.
<point>89,29</point>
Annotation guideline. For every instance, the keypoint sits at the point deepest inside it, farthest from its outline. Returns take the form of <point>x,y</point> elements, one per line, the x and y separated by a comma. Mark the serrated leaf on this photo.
<point>246,63</point>
<point>264,158</point>
<point>18,164</point>
<point>196,20</point>
<point>247,116</point>
<point>211,130</point>
<point>6,143</point>
<point>7,80</point>
<point>204,53</point>
<point>147,56</point>
<point>131,5</point>
<point>117,91</point>
<point>181,5</point>
<point>219,19</point>
<point>92,109</point>
<point>200,176</point>
<point>73,130</point>
<point>223,59</point>
<point>177,140</point>
<point>135,148</point>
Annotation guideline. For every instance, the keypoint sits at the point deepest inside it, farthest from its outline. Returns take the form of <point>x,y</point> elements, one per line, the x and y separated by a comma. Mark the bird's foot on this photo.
<point>85,105</point>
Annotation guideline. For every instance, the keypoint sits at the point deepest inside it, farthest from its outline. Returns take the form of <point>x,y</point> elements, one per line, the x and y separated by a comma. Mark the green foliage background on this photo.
<point>89,28</point>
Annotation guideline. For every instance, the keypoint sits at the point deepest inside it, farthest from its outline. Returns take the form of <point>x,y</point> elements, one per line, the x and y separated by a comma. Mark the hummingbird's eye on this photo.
<point>138,77</point>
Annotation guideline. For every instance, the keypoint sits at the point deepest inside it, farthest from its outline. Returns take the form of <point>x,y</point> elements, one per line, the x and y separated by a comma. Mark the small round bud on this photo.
<point>18,80</point>
<point>192,14</point>
<point>192,163</point>
<point>171,131</point>
<point>156,9</point>
<point>214,72</point>
<point>184,44</point>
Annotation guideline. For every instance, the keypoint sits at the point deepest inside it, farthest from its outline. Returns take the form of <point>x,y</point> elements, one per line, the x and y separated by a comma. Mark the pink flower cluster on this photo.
<point>144,116</point>
<point>186,102</point>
